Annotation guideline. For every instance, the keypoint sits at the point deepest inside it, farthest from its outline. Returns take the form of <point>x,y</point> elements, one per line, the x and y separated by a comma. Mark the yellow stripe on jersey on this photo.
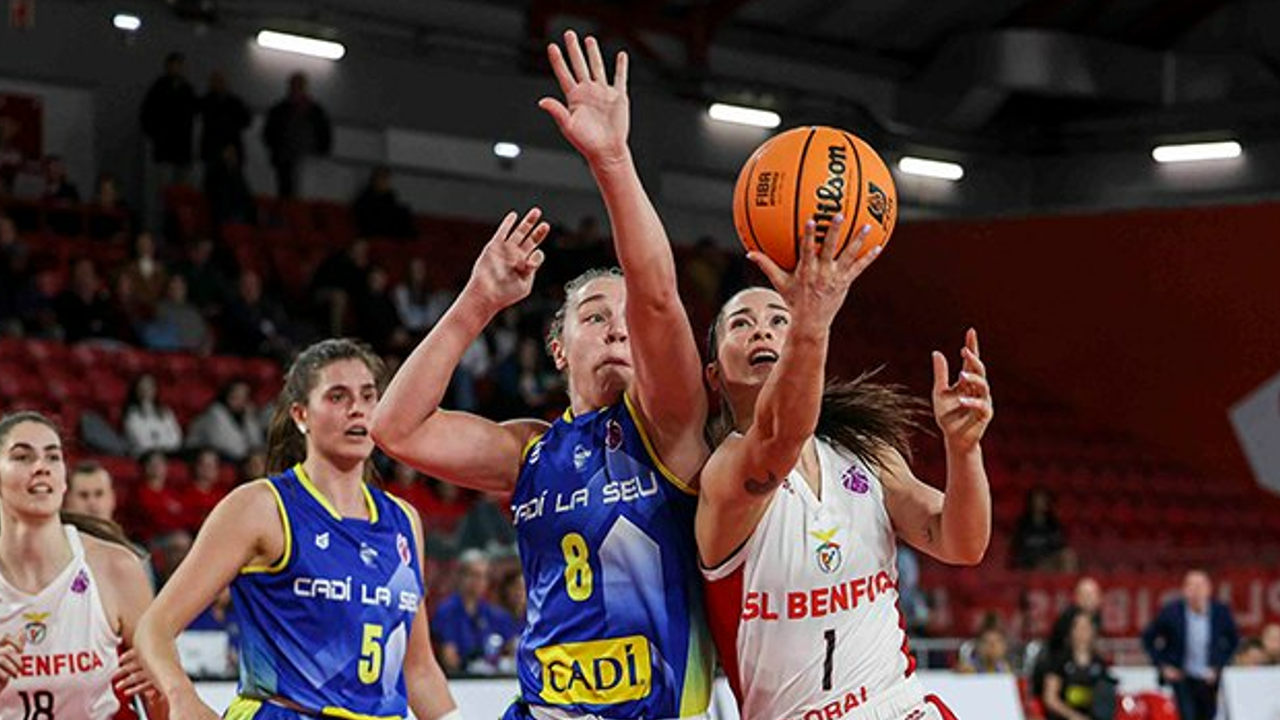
<point>242,708</point>
<point>653,455</point>
<point>524,454</point>
<point>345,714</point>
<point>324,501</point>
<point>280,564</point>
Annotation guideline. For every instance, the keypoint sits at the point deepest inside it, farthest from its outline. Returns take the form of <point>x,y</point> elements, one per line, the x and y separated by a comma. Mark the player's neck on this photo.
<point>33,554</point>
<point>343,486</point>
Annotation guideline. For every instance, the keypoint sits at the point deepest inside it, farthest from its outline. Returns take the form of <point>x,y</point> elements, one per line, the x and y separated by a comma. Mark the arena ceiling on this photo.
<point>1023,76</point>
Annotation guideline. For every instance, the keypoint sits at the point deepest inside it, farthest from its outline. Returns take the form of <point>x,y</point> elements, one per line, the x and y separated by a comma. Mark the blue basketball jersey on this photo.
<point>327,626</point>
<point>615,616</point>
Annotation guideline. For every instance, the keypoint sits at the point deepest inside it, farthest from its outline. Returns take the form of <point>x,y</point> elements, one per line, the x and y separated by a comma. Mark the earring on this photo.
<point>302,428</point>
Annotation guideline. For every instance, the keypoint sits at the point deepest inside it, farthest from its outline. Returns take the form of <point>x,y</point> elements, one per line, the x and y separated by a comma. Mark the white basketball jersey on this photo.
<point>71,648</point>
<point>805,614</point>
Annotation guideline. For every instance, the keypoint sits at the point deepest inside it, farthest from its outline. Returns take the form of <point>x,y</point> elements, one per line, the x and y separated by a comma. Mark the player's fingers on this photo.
<point>526,226</point>
<point>595,60</point>
<point>576,59</point>
<point>504,228</point>
<point>973,363</point>
<point>809,249</point>
<point>940,373</point>
<point>556,109</point>
<point>827,251</point>
<point>560,68</point>
<point>776,275</point>
<point>971,341</point>
<point>973,385</point>
<point>620,64</point>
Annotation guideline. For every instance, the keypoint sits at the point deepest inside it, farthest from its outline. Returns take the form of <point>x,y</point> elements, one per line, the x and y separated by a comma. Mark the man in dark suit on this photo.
<point>1190,641</point>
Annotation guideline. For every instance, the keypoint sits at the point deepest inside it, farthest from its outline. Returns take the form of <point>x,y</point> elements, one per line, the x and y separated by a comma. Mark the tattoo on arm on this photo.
<point>762,487</point>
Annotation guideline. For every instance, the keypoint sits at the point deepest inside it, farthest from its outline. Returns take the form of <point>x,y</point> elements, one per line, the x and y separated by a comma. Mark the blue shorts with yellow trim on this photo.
<point>243,708</point>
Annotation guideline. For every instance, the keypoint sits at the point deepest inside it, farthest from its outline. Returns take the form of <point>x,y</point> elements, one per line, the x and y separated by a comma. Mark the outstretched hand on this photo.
<point>963,409</point>
<point>503,274</point>
<point>595,116</point>
<point>816,289</point>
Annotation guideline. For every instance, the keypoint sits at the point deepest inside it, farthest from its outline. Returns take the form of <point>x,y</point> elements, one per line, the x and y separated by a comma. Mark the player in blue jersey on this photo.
<point>325,569</point>
<point>604,497</point>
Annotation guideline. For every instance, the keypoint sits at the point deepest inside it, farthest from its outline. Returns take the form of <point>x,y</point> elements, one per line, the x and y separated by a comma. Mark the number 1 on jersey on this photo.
<point>578,580</point>
<point>830,637</point>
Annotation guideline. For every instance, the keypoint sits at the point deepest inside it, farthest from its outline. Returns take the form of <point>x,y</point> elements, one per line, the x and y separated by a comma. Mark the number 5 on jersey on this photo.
<point>370,667</point>
<point>578,580</point>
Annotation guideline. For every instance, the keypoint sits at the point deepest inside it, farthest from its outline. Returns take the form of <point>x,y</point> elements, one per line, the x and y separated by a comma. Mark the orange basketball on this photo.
<point>812,172</point>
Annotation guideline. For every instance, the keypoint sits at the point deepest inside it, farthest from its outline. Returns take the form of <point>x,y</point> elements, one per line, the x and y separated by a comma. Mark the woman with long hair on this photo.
<point>325,569</point>
<point>804,500</point>
<point>71,590</point>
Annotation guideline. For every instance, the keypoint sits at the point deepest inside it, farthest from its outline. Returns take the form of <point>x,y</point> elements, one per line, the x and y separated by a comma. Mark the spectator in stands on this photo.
<point>204,492</point>
<point>84,309</point>
<point>1251,654</point>
<point>226,189</point>
<point>207,285</point>
<point>57,185</point>
<point>27,304</point>
<point>376,318</point>
<point>512,596</point>
<point>128,312</point>
<point>474,636</point>
<point>407,484</point>
<point>990,653</point>
<point>1190,641</point>
<point>178,325</point>
<point>297,128</point>
<point>254,466</point>
<point>113,215</point>
<point>253,324</point>
<point>378,212</point>
<point>168,120</point>
<point>703,273</point>
<point>1085,599</point>
<point>340,278</point>
<point>223,119</point>
<point>158,516</point>
<point>1038,539</point>
<point>90,491</point>
<point>485,527</point>
<point>149,425</point>
<point>13,254</point>
<point>418,306</point>
<point>525,383</point>
<point>1079,685</point>
<point>1270,639</point>
<point>150,277</point>
<point>230,425</point>
<point>911,599</point>
<point>446,506</point>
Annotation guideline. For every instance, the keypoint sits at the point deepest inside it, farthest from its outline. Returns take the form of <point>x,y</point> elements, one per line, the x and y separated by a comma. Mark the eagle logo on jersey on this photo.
<point>828,552</point>
<point>367,555</point>
<point>322,541</point>
<point>35,630</point>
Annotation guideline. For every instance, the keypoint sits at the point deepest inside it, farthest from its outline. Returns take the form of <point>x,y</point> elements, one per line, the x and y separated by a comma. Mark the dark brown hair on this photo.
<point>102,529</point>
<point>286,445</point>
<point>859,415</point>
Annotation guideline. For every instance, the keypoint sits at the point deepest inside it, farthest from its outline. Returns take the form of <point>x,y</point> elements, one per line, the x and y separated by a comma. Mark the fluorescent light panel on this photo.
<point>127,22</point>
<point>740,115</point>
<point>1195,152</point>
<point>508,150</point>
<point>301,45</point>
<point>931,168</point>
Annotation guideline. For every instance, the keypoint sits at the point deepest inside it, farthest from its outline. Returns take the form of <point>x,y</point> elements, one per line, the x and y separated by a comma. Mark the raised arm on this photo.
<point>459,447</point>
<point>744,471</point>
<point>595,118</point>
<point>955,526</point>
<point>244,530</point>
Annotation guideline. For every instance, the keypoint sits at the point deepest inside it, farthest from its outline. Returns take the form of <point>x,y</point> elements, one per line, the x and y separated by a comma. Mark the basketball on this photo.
<point>812,173</point>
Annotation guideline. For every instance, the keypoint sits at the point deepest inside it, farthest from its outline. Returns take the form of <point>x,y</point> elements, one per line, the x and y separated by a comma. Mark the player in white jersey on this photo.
<point>68,600</point>
<point>803,502</point>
